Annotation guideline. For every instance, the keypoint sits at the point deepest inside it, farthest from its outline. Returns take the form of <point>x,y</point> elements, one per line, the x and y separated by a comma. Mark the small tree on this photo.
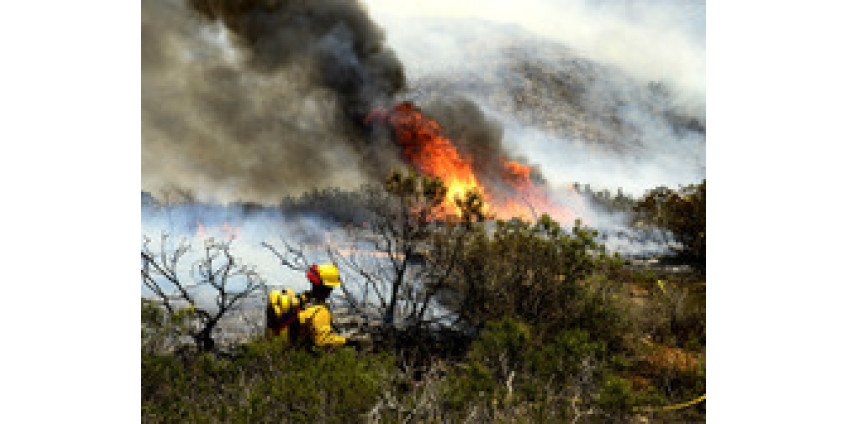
<point>684,213</point>
<point>217,269</point>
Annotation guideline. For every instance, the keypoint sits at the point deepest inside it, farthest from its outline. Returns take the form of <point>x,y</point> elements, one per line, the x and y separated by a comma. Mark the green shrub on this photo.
<point>263,384</point>
<point>527,366</point>
<point>563,357</point>
<point>160,330</point>
<point>601,309</point>
<point>467,384</point>
<point>676,316</point>
<point>616,399</point>
<point>502,346</point>
<point>529,271</point>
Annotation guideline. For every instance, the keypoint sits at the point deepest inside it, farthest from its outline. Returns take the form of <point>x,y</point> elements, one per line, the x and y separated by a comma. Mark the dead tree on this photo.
<point>217,271</point>
<point>395,265</point>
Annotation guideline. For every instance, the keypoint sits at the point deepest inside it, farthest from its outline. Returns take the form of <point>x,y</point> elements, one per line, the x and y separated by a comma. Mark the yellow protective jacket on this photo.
<point>315,327</point>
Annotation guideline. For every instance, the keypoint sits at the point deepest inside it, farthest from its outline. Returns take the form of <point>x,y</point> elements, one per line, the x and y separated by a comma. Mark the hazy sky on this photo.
<point>652,39</point>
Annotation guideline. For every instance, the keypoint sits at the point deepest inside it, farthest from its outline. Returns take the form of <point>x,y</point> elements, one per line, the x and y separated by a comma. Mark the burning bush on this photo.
<point>509,188</point>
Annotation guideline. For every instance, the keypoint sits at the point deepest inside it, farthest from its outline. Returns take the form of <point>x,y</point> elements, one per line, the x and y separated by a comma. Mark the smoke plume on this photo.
<point>335,40</point>
<point>251,100</point>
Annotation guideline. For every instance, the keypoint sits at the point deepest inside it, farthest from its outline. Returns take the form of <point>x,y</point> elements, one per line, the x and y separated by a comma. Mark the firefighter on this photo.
<point>289,316</point>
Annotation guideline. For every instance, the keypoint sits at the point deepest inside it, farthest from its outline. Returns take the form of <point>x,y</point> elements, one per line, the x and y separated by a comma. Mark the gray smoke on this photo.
<point>253,100</point>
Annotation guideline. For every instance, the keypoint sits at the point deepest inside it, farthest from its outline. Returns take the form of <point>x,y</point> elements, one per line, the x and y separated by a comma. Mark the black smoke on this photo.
<point>336,39</point>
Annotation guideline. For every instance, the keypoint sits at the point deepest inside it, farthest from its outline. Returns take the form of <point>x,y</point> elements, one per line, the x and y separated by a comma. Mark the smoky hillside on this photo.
<point>575,118</point>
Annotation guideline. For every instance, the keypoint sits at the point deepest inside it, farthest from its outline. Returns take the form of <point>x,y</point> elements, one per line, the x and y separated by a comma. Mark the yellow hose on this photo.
<point>670,407</point>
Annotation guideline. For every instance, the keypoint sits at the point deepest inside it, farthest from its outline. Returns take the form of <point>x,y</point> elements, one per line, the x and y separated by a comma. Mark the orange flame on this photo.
<point>225,231</point>
<point>432,153</point>
<point>528,199</point>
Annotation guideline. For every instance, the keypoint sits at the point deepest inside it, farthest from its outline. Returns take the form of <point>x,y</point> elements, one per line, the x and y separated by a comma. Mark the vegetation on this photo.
<point>603,199</point>
<point>261,384</point>
<point>684,213</point>
<point>329,203</point>
<point>510,321</point>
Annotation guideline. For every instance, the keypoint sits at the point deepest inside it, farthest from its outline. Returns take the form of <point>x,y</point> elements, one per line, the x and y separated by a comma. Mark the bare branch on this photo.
<point>294,258</point>
<point>216,269</point>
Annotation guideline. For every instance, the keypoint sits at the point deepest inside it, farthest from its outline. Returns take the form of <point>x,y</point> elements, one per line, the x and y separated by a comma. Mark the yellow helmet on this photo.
<point>324,275</point>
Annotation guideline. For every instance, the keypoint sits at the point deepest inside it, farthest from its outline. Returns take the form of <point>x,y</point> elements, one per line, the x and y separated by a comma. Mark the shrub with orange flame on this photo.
<point>428,150</point>
<point>425,146</point>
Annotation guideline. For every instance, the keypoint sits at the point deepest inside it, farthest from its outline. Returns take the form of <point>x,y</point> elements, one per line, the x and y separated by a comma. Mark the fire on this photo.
<point>432,153</point>
<point>426,147</point>
<point>225,231</point>
<point>527,199</point>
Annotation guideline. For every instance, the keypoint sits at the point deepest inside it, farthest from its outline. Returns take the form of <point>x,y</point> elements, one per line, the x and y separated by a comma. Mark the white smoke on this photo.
<point>605,93</point>
<point>630,46</point>
<point>566,160</point>
<point>655,40</point>
<point>195,223</point>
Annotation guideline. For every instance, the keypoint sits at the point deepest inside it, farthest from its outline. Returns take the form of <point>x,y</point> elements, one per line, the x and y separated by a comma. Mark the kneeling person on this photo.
<point>288,315</point>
